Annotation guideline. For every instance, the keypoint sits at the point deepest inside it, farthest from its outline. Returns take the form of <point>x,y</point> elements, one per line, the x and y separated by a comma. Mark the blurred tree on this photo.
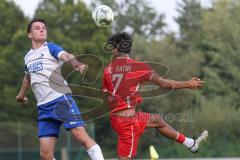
<point>221,51</point>
<point>70,25</point>
<point>12,19</point>
<point>12,47</point>
<point>190,21</point>
<point>137,16</point>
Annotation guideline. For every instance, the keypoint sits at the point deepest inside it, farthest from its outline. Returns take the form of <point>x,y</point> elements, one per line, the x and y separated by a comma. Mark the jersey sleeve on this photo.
<point>55,50</point>
<point>26,69</point>
<point>149,72</point>
<point>142,72</point>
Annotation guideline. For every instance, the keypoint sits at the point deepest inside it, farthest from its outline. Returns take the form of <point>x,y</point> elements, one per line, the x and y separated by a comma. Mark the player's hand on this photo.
<point>81,67</point>
<point>21,99</point>
<point>195,83</point>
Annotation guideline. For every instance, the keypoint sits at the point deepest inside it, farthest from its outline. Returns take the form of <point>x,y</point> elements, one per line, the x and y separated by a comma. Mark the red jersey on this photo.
<point>122,79</point>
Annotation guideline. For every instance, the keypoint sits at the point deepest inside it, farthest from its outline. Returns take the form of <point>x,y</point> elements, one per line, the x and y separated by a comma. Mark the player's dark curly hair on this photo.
<point>121,41</point>
<point>35,20</point>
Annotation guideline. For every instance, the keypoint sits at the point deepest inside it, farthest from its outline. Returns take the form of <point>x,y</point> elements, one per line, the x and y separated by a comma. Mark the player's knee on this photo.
<point>162,125</point>
<point>159,121</point>
<point>81,135</point>
<point>46,155</point>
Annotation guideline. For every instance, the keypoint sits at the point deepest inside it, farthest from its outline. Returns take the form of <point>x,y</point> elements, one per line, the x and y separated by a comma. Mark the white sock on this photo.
<point>95,152</point>
<point>189,142</point>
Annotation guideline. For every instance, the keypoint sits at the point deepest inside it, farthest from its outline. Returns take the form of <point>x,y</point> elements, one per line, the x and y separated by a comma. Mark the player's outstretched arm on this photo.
<point>69,58</point>
<point>193,83</point>
<point>21,97</point>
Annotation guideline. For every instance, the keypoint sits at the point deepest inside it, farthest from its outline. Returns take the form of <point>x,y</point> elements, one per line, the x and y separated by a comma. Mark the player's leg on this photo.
<point>128,143</point>
<point>128,133</point>
<point>75,124</point>
<point>47,147</point>
<point>93,149</point>
<point>81,135</point>
<point>155,121</point>
<point>165,129</point>
<point>48,131</point>
<point>171,133</point>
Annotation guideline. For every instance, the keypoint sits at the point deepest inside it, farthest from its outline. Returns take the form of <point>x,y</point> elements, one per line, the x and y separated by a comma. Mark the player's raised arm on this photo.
<point>69,58</point>
<point>21,97</point>
<point>193,83</point>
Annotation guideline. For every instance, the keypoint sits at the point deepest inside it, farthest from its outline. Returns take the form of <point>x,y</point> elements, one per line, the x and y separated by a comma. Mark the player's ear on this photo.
<point>29,35</point>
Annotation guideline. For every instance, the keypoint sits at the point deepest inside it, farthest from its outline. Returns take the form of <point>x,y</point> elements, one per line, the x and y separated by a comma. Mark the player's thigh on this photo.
<point>128,139</point>
<point>156,121</point>
<point>47,145</point>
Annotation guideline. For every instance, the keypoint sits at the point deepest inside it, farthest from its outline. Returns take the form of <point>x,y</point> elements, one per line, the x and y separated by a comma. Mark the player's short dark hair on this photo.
<point>35,20</point>
<point>122,41</point>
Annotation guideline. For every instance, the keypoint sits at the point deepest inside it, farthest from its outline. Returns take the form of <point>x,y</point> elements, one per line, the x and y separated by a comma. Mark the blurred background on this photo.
<point>199,38</point>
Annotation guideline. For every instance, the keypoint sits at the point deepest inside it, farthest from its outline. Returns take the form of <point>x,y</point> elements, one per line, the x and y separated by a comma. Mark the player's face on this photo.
<point>38,32</point>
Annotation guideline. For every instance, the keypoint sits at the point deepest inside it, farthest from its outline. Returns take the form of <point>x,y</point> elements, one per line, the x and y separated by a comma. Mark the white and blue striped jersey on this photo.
<point>44,66</point>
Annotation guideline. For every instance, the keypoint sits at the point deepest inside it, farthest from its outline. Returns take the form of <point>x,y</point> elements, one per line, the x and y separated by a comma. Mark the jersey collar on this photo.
<point>44,44</point>
<point>123,58</point>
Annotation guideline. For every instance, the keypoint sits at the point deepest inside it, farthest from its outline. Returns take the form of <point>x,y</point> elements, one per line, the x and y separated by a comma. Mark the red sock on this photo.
<point>180,138</point>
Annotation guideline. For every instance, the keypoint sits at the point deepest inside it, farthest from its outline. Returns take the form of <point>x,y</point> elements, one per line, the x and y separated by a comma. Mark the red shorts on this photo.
<point>129,130</point>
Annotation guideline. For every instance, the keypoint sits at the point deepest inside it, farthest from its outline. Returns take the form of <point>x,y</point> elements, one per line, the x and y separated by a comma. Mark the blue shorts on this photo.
<point>52,114</point>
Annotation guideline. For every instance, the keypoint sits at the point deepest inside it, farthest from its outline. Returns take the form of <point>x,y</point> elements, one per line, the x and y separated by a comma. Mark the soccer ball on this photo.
<point>102,16</point>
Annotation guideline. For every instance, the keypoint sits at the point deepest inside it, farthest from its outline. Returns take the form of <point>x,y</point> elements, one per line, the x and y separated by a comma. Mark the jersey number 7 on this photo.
<point>117,77</point>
